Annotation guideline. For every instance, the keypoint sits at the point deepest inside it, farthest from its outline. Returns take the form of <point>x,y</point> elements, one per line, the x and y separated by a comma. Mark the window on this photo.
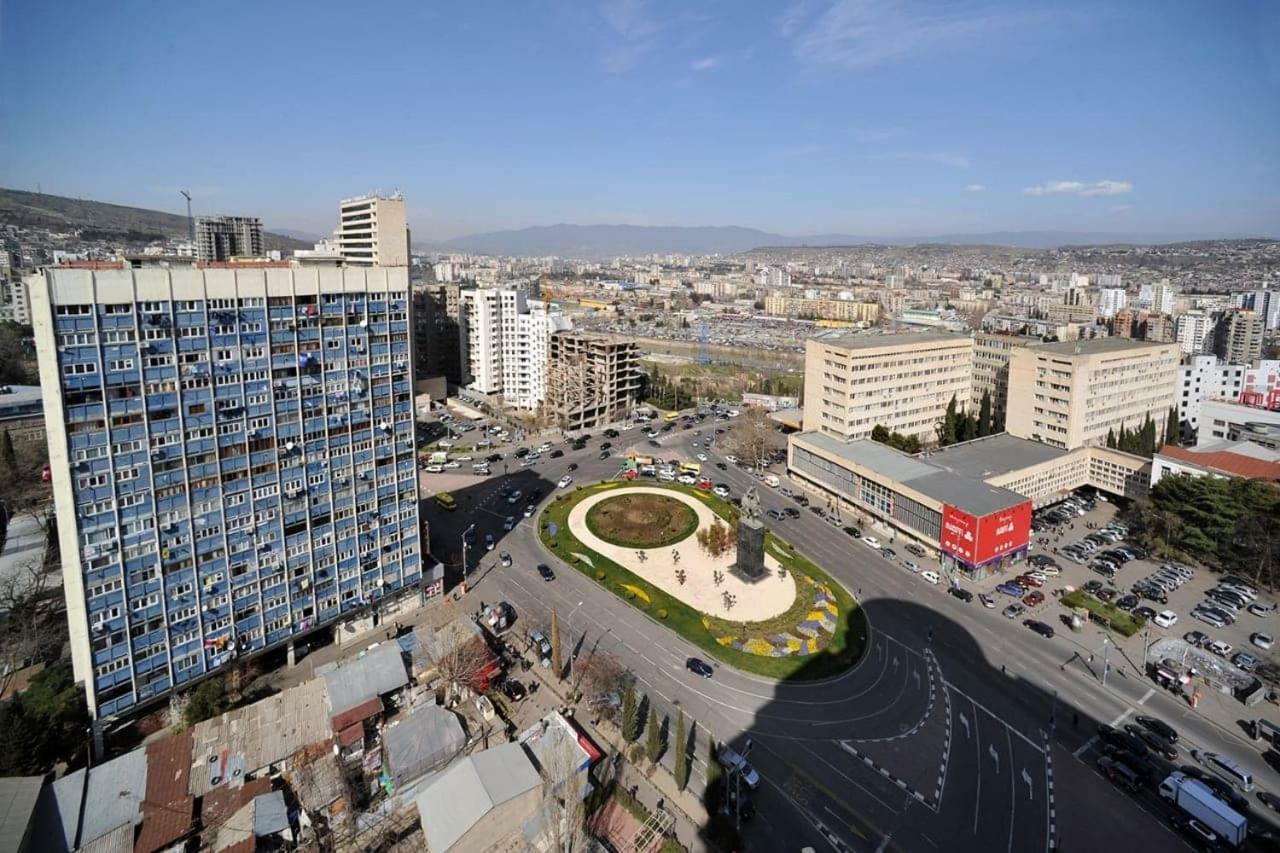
<point>78,369</point>
<point>74,310</point>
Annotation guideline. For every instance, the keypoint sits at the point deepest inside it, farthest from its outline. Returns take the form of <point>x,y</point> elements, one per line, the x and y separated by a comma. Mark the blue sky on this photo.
<point>866,118</point>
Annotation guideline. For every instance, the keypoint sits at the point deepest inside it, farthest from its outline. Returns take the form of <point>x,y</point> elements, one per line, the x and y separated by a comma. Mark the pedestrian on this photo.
<point>1075,721</point>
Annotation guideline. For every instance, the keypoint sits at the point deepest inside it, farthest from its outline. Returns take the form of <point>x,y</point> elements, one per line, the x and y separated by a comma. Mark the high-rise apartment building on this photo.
<point>1204,377</point>
<point>373,231</point>
<point>991,352</point>
<point>1160,328</point>
<point>1129,323</point>
<point>1195,332</point>
<point>16,305</point>
<point>1070,394</point>
<point>1111,300</point>
<point>507,340</point>
<point>592,379</point>
<point>221,238</point>
<point>856,382</point>
<point>1163,295</point>
<point>1238,336</point>
<point>233,462</point>
<point>1265,302</point>
<point>437,320</point>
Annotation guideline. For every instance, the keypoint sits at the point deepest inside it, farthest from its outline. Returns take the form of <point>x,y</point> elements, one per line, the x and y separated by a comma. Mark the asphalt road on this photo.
<point>949,735</point>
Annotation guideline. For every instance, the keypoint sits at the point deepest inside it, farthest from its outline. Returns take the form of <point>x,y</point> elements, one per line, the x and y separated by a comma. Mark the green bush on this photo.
<point>600,576</point>
<point>662,613</point>
<point>1122,623</point>
<point>629,593</point>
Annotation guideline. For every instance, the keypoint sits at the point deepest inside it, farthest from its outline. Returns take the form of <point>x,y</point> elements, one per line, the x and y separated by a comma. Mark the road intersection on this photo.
<point>945,736</point>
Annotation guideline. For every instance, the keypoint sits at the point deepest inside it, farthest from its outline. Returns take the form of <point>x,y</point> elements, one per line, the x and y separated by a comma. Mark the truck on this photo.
<point>1197,800</point>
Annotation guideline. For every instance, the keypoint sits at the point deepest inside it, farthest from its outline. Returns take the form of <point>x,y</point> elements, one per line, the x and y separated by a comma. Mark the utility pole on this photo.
<point>1106,658</point>
<point>465,534</point>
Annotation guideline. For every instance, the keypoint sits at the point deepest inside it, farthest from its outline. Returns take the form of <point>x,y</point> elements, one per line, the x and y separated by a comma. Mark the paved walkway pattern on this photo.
<point>753,602</point>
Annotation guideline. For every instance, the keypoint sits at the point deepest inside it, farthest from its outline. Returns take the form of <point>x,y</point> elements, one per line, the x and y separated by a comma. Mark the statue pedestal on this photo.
<point>750,564</point>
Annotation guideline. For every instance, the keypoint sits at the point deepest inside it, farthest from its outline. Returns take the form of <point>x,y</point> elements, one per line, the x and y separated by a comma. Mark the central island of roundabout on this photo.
<point>670,551</point>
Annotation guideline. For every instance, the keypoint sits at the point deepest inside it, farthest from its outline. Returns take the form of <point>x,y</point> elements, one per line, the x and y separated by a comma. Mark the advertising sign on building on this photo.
<point>979,540</point>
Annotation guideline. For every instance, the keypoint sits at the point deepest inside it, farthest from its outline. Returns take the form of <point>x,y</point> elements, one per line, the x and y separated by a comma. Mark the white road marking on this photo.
<point>1085,747</point>
<point>1146,696</point>
<point>995,756</point>
<point>964,721</point>
<point>976,704</point>
<point>977,798</point>
<point>1026,777</point>
<point>1120,719</point>
<point>1013,791</point>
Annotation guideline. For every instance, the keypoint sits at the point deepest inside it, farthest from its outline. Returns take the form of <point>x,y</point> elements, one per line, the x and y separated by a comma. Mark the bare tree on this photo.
<point>27,625</point>
<point>599,674</point>
<point>753,436</point>
<point>461,657</point>
<point>563,811</point>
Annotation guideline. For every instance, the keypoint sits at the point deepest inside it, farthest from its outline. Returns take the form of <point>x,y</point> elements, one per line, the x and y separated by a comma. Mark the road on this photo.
<point>948,735</point>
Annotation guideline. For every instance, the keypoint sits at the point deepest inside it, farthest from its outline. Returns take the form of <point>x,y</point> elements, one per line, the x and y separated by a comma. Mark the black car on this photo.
<point>535,495</point>
<point>817,510</point>
<point>699,667</point>
<point>521,452</point>
<point>513,689</point>
<point>1196,638</point>
<point>1152,741</point>
<point>605,445</point>
<point>790,512</point>
<point>1160,727</point>
<point>557,453</point>
<point>1145,612</point>
<point>854,532</point>
<point>493,457</point>
<point>653,442</point>
<point>722,466</point>
<point>545,571</point>
<point>1127,602</point>
<point>800,499</point>
<point>604,454</point>
<point>1042,628</point>
<point>1092,587</point>
<point>611,433</point>
<point>961,593</point>
<point>573,466</point>
<point>888,553</point>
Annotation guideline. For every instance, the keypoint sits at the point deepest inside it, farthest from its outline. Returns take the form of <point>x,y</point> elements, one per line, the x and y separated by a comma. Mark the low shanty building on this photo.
<point>487,801</point>
<point>416,744</point>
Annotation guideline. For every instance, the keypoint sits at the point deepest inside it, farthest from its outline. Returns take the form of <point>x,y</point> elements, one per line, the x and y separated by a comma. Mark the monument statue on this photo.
<point>751,533</point>
<point>751,503</point>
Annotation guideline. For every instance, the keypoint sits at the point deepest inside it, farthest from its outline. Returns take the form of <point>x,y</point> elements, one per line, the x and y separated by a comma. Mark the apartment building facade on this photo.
<point>1204,377</point>
<point>437,319</point>
<point>903,382</point>
<point>221,238</point>
<point>991,354</point>
<point>1238,336</point>
<point>507,342</point>
<point>1071,394</point>
<point>592,379</point>
<point>234,466</point>
<point>781,305</point>
<point>1195,332</point>
<point>373,231</point>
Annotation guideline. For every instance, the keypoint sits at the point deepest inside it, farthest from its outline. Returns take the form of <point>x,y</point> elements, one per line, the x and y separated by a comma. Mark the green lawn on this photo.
<point>1122,623</point>
<point>847,644</point>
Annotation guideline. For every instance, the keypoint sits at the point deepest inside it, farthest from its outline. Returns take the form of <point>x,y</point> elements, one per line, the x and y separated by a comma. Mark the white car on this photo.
<point>544,447</point>
<point>453,463</point>
<point>1038,575</point>
<point>911,566</point>
<point>687,479</point>
<point>565,481</point>
<point>931,577</point>
<point>434,469</point>
<point>721,491</point>
<point>1165,618</point>
<point>444,443</point>
<point>731,459</point>
<point>666,476</point>
<point>1262,641</point>
<point>1220,648</point>
<point>872,541</point>
<point>702,457</point>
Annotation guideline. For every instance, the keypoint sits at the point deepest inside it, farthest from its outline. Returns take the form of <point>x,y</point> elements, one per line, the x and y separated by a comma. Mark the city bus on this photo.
<point>445,501</point>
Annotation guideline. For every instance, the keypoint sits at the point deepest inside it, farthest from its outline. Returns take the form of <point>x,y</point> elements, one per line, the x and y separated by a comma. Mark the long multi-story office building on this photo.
<point>233,461</point>
<point>856,382</point>
<point>373,231</point>
<point>221,238</point>
<point>1071,394</point>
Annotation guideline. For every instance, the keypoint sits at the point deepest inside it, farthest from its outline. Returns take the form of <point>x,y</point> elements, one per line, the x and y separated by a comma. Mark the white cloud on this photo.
<point>634,34</point>
<point>1079,188</point>
<point>975,188</point>
<point>861,34</point>
<point>705,64</point>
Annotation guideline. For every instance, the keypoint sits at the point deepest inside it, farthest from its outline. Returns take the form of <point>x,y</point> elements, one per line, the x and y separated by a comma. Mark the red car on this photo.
<point>1029,581</point>
<point>1033,598</point>
<point>704,483</point>
<point>630,474</point>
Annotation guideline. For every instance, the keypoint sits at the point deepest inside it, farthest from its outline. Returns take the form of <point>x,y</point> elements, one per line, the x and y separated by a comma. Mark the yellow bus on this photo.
<point>694,468</point>
<point>670,416</point>
<point>445,501</point>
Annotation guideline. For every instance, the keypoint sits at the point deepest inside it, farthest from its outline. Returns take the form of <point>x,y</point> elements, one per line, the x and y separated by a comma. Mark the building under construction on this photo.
<point>592,379</point>
<point>221,238</point>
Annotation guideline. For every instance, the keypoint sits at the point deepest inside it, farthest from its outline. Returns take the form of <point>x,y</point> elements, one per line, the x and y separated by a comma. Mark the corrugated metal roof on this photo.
<point>351,716</point>
<point>118,840</point>
<point>112,798</point>
<point>462,795</point>
<point>366,677</point>
<point>420,741</point>
<point>18,798</point>
<point>1225,462</point>
<point>168,810</point>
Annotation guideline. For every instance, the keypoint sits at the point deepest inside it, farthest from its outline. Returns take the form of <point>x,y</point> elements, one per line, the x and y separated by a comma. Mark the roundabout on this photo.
<point>670,552</point>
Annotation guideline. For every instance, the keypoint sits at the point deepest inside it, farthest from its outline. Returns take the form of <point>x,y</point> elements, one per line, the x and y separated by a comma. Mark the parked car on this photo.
<point>1034,598</point>
<point>961,593</point>
<point>872,541</point>
<point>987,601</point>
<point>1165,618</point>
<point>1013,611</point>
<point>1042,628</point>
<point>930,576</point>
<point>1262,641</point>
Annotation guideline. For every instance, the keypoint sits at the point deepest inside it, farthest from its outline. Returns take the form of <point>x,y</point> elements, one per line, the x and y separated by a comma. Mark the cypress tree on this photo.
<point>1173,428</point>
<point>984,415</point>
<point>682,754</point>
<point>6,451</point>
<point>653,743</point>
<point>1111,438</point>
<point>630,715</point>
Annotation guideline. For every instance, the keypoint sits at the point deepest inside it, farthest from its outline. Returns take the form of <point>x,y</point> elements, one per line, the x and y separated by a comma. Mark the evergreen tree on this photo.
<point>1173,428</point>
<point>879,433</point>
<point>947,429</point>
<point>630,714</point>
<point>984,415</point>
<point>6,451</point>
<point>682,754</point>
<point>653,742</point>
<point>1111,439</point>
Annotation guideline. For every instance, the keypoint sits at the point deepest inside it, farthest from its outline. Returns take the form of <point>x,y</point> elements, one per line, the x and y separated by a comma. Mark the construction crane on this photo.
<point>191,223</point>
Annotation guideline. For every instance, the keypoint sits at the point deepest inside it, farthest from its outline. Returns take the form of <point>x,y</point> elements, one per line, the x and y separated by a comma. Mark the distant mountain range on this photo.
<point>604,241</point>
<point>111,221</point>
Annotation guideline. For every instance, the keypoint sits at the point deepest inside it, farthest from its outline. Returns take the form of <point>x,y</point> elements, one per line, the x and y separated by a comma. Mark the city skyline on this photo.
<point>894,119</point>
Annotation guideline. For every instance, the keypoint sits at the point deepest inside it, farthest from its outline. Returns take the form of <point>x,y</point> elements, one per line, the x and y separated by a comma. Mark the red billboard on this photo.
<point>977,541</point>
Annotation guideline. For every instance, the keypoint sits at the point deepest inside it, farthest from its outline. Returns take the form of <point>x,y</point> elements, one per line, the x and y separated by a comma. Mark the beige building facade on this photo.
<point>855,382</point>
<point>779,305</point>
<point>1071,394</point>
<point>991,352</point>
<point>373,231</point>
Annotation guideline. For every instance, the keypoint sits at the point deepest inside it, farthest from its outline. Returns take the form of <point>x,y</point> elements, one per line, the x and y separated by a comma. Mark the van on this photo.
<point>1226,769</point>
<point>772,481</point>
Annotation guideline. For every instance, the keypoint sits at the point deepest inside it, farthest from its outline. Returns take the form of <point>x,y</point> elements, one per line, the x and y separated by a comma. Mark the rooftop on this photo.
<point>110,799</point>
<point>460,797</point>
<point>18,797</point>
<point>419,742</point>
<point>1098,346</point>
<point>877,340</point>
<point>366,677</point>
<point>943,481</point>
<point>1235,458</point>
<point>993,455</point>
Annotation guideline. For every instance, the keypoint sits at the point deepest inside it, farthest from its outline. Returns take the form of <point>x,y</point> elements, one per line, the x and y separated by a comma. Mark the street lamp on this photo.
<point>569,623</point>
<point>465,534</point>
